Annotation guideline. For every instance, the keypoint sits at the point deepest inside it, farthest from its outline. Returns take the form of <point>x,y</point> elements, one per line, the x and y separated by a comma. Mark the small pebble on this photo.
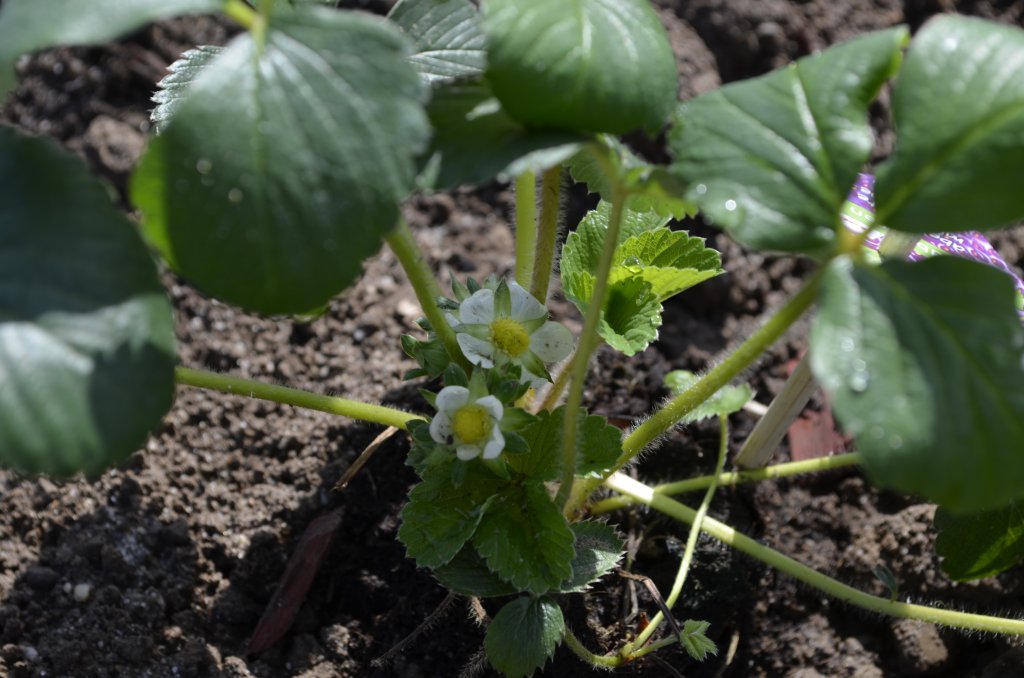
<point>82,592</point>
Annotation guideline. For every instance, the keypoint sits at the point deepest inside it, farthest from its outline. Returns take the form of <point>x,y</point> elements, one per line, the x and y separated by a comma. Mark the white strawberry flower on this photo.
<point>510,326</point>
<point>470,424</point>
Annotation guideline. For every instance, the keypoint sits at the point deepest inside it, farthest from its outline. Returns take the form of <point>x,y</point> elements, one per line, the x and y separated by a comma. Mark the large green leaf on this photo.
<point>600,444</point>
<point>959,114</point>
<point>670,261</point>
<point>175,85</point>
<point>86,339</point>
<point>442,515</point>
<point>523,635</point>
<point>524,538</point>
<point>772,160</point>
<point>593,65</point>
<point>981,544</point>
<point>285,165</point>
<point>467,573</point>
<point>449,38</point>
<point>925,363</point>
<point>475,140</point>
<point>598,551</point>
<point>30,25</point>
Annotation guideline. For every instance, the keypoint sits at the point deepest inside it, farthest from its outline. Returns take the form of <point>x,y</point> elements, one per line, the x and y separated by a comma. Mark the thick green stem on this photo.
<point>377,414</point>
<point>408,253</point>
<point>547,232</point>
<point>588,342</point>
<point>526,227</point>
<point>722,532</point>
<point>791,468</point>
<point>720,375</point>
<point>691,543</point>
<point>241,13</point>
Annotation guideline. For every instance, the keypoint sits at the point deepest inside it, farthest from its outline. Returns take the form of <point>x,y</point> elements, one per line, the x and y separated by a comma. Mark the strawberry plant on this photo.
<point>280,164</point>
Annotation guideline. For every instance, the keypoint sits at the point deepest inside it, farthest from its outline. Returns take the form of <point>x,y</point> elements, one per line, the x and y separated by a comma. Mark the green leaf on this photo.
<point>31,25</point>
<point>523,635</point>
<point>448,35</point>
<point>285,166</point>
<point>593,65</point>
<point>524,538</point>
<point>179,78</point>
<point>86,338</point>
<point>773,159</point>
<point>981,544</point>
<point>670,261</point>
<point>441,515</point>
<point>475,140</point>
<point>925,364</point>
<point>651,188</point>
<point>467,573</point>
<point>598,551</point>
<point>600,444</point>
<point>632,312</point>
<point>959,111</point>
<point>695,641</point>
<point>724,402</point>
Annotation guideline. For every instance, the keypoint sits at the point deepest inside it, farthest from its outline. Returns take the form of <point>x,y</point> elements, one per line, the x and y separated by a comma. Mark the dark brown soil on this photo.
<point>163,566</point>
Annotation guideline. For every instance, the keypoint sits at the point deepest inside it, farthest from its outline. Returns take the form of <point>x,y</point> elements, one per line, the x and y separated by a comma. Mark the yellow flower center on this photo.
<point>510,337</point>
<point>472,424</point>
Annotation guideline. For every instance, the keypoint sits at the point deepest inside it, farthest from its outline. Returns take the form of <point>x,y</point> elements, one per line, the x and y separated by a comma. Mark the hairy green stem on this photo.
<point>377,414</point>
<point>598,660</point>
<point>722,532</point>
<point>408,253</point>
<point>691,544</point>
<point>791,468</point>
<point>547,232</point>
<point>526,227</point>
<point>720,375</point>
<point>588,342</point>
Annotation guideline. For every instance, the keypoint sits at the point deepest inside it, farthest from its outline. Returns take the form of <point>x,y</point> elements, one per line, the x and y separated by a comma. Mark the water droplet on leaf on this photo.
<point>204,166</point>
<point>730,205</point>
<point>701,189</point>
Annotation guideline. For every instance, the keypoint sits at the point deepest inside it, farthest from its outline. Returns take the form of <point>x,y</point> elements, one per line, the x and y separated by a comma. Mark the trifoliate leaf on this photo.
<point>525,539</point>
<point>724,402</point>
<point>600,444</point>
<point>523,635</point>
<point>442,515</point>
<point>448,35</point>
<point>980,544</point>
<point>467,573</point>
<point>598,551</point>
<point>695,641</point>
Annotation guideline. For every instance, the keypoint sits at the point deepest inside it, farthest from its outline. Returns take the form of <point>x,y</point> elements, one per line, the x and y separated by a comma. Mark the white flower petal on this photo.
<point>441,427</point>
<point>477,351</point>
<point>524,305</point>
<point>552,342</point>
<point>451,319</point>
<point>535,382</point>
<point>451,398</point>
<point>467,452</point>
<point>493,407</point>
<point>495,445</point>
<point>478,308</point>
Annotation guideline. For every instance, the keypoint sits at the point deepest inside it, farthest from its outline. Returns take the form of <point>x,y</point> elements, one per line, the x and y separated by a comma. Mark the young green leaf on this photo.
<point>695,641</point>
<point>523,635</point>
<point>925,364</point>
<point>632,312</point>
<point>441,515</point>
<point>467,573</point>
<point>670,261</point>
<point>180,76</point>
<point>31,25</point>
<point>959,113</point>
<point>772,159</point>
<point>598,551</point>
<point>600,445</point>
<point>981,544</point>
<point>475,140</point>
<point>286,164</point>
<point>448,35</point>
<point>725,401</point>
<point>590,65</point>
<point>86,339</point>
<point>525,540</point>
